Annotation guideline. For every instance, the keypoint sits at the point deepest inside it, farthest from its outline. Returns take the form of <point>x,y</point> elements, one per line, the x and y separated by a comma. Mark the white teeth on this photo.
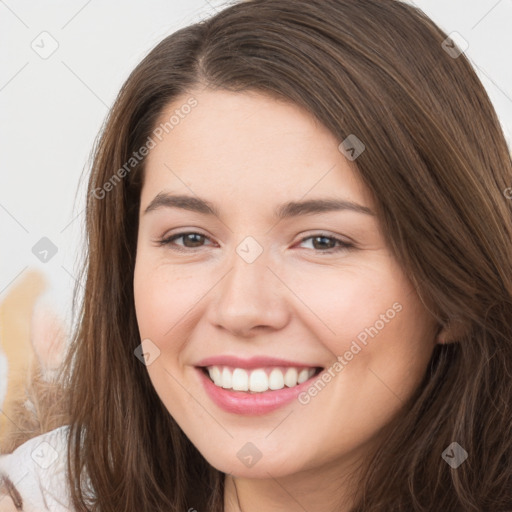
<point>226,379</point>
<point>303,376</point>
<point>276,379</point>
<point>240,380</point>
<point>290,377</point>
<point>258,380</point>
<point>215,375</point>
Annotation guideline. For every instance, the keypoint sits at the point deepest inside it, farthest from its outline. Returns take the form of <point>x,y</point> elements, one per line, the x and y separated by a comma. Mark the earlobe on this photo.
<point>441,336</point>
<point>451,333</point>
<point>441,340</point>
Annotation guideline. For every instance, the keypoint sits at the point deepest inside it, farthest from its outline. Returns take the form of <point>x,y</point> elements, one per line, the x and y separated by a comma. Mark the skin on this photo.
<point>6,504</point>
<point>248,153</point>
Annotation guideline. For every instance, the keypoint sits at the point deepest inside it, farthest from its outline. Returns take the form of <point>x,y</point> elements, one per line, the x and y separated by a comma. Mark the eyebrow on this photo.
<point>284,211</point>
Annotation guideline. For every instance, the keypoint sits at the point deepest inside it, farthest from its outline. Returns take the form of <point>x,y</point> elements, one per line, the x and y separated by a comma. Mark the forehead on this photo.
<point>238,146</point>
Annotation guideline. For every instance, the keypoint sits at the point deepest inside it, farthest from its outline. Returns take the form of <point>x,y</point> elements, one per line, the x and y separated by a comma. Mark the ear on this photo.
<point>452,332</point>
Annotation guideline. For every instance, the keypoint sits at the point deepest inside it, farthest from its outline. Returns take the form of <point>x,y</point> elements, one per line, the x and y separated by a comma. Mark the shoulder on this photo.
<point>7,505</point>
<point>35,474</point>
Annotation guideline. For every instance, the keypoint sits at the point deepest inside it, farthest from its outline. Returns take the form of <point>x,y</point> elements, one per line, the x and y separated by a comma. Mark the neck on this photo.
<point>325,490</point>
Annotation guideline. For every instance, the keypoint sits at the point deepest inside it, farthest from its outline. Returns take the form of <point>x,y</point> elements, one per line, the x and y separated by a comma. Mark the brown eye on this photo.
<point>323,242</point>
<point>327,244</point>
<point>191,240</point>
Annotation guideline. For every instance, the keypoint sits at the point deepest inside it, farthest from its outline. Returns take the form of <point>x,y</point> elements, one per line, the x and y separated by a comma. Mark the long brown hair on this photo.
<point>437,164</point>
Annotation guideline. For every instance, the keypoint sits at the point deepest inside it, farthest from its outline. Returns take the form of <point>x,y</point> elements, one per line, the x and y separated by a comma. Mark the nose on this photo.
<point>249,299</point>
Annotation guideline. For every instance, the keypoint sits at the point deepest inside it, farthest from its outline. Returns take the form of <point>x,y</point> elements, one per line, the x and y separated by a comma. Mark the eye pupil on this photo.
<point>191,236</point>
<point>331,242</point>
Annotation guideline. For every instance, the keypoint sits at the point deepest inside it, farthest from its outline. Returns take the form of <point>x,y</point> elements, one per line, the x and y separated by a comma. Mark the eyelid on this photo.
<point>342,243</point>
<point>319,233</point>
<point>168,239</point>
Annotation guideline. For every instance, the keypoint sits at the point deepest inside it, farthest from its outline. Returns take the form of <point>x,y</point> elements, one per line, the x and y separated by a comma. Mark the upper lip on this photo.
<point>252,362</point>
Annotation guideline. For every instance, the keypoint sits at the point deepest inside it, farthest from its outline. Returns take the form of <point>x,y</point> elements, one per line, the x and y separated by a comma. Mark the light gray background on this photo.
<point>52,108</point>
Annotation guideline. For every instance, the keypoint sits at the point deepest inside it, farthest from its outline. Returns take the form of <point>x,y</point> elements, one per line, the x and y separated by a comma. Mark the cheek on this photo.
<point>163,301</point>
<point>163,297</point>
<point>352,303</point>
<point>372,322</point>
<point>383,342</point>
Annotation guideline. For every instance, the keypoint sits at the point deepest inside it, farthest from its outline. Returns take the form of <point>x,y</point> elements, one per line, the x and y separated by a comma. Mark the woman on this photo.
<point>298,280</point>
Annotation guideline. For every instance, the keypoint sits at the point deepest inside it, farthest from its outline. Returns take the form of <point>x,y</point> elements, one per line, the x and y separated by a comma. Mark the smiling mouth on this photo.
<point>259,380</point>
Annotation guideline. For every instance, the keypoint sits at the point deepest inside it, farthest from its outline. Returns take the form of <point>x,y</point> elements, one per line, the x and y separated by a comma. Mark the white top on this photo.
<point>38,471</point>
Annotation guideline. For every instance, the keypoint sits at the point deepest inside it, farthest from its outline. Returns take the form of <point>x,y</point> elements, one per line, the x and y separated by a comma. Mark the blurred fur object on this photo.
<point>33,342</point>
<point>4,371</point>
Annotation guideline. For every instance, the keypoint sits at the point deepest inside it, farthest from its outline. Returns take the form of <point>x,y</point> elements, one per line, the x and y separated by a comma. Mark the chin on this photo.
<point>262,465</point>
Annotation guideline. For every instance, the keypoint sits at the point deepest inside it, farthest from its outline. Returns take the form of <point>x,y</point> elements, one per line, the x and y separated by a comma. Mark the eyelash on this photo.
<point>169,242</point>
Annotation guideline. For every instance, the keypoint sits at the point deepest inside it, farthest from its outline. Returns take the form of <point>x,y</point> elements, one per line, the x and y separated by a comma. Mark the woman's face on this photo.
<point>265,292</point>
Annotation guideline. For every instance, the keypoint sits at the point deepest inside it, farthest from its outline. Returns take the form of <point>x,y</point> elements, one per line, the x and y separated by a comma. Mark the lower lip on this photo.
<point>241,402</point>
